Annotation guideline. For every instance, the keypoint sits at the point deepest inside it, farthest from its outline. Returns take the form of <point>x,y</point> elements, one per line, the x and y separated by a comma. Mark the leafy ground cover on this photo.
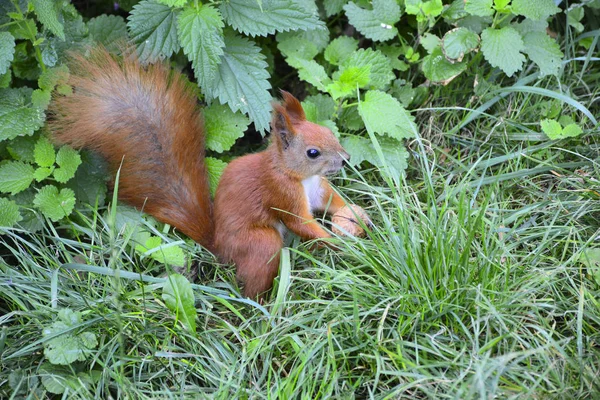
<point>473,132</point>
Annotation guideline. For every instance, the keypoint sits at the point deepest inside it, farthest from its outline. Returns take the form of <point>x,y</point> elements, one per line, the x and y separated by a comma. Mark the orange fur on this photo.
<point>147,119</point>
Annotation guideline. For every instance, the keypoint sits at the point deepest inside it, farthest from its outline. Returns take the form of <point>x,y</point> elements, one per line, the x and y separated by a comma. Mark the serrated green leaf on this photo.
<point>394,54</point>
<point>349,81</point>
<point>333,7</point>
<point>17,116</point>
<point>438,69</point>
<point>398,123</point>
<point>21,148</point>
<point>42,173</point>
<point>9,213</point>
<point>424,10</point>
<point>319,107</point>
<point>215,168</point>
<point>242,81</point>
<point>544,51</point>
<point>376,24</point>
<point>403,91</point>
<point>7,51</point>
<point>298,48</point>
<point>223,127</point>
<point>76,33</point>
<point>153,26</point>
<point>361,149</point>
<point>53,382</point>
<point>201,35</point>
<point>41,99</point>
<point>339,49</point>
<point>47,12</point>
<point>312,72</point>
<point>268,16</point>
<point>89,182</point>
<point>179,298</point>
<point>318,37</point>
<point>502,48</point>
<point>174,3</point>
<point>551,128</point>
<point>43,152</point>
<point>168,255</point>
<point>534,9</point>
<point>381,73</point>
<point>457,42</point>
<point>480,8</point>
<point>68,160</point>
<point>5,79</point>
<point>108,30</point>
<point>54,204</point>
<point>52,77</point>
<point>32,222</point>
<point>572,130</point>
<point>15,176</point>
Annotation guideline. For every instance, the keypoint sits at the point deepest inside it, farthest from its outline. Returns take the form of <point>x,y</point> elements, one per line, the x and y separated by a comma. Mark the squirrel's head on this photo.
<point>306,148</point>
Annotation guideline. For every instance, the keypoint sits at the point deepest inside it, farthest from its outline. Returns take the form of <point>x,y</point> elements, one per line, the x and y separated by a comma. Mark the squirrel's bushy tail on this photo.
<point>145,121</point>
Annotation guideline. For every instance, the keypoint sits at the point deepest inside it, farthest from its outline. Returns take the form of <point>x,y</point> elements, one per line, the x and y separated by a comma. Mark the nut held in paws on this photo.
<point>345,221</point>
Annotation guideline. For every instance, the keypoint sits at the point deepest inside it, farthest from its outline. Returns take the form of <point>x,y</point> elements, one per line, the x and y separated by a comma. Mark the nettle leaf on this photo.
<point>310,71</point>
<point>398,123</point>
<point>394,54</point>
<point>215,168</point>
<point>457,42</point>
<point>502,48</point>
<point>339,49</point>
<point>333,7</point>
<point>108,30</point>
<point>319,107</point>
<point>242,81</point>
<point>554,130</point>
<point>268,16</point>
<point>9,213</point>
<point>361,149</point>
<point>201,36</point>
<point>21,148</point>
<point>68,159</point>
<point>544,51</point>
<point>52,77</point>
<point>17,115</point>
<point>54,204</point>
<point>349,81</point>
<point>47,12</point>
<point>480,8</point>
<point>168,255</point>
<point>534,9</point>
<point>42,173</point>
<point>376,24</point>
<point>381,73</point>
<point>179,298</point>
<point>15,176</point>
<point>7,51</point>
<point>223,127</point>
<point>424,10</point>
<point>174,3</point>
<point>318,37</point>
<point>298,48</point>
<point>153,26</point>
<point>43,152</point>
<point>438,69</point>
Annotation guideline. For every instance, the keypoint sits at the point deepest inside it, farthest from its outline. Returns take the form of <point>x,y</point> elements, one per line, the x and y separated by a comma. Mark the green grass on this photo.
<point>470,284</point>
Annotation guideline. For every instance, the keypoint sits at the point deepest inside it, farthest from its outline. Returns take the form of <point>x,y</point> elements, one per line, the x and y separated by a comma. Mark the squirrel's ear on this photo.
<point>282,130</point>
<point>293,107</point>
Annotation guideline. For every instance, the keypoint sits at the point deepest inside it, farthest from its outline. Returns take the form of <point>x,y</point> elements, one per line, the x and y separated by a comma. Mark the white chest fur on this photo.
<point>313,191</point>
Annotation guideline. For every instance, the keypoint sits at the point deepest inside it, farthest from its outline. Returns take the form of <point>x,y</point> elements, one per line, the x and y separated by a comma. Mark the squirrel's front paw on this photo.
<point>344,222</point>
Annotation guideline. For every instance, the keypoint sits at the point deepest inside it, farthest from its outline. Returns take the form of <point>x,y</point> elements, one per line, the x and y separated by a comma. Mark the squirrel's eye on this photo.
<point>313,153</point>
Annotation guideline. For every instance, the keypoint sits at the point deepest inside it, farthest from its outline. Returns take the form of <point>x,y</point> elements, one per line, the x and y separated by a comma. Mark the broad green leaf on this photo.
<point>65,345</point>
<point>361,149</point>
<point>544,51</point>
<point>223,127</point>
<point>551,128</point>
<point>52,77</point>
<point>18,117</point>
<point>403,91</point>
<point>266,17</point>
<point>572,130</point>
<point>395,55</point>
<point>40,99</point>
<point>201,36</point>
<point>319,107</point>
<point>108,30</point>
<point>312,72</point>
<point>430,42</point>
<point>480,8</point>
<point>68,160</point>
<point>179,298</point>
<point>215,168</point>
<point>333,7</point>
<point>43,152</point>
<point>339,49</point>
<point>5,79</point>
<point>376,24</point>
<point>53,381</point>
<point>381,73</point>
<point>438,69</point>
<point>76,34</point>
<point>534,9</point>
<point>47,12</point>
<point>7,51</point>
<point>349,81</point>
<point>153,27</point>
<point>318,37</point>
<point>9,213</point>
<point>15,176</point>
<point>42,173</point>
<point>21,148</point>
<point>54,204</point>
<point>242,81</point>
<point>89,182</point>
<point>424,10</point>
<point>168,255</point>
<point>502,48</point>
<point>398,123</point>
<point>32,221</point>
<point>297,47</point>
<point>174,3</point>
<point>457,42</point>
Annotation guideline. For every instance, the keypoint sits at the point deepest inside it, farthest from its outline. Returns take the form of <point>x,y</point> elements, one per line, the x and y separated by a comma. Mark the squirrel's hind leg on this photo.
<point>257,261</point>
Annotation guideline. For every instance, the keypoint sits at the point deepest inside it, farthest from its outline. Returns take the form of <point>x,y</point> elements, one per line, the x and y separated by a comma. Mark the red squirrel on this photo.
<point>145,121</point>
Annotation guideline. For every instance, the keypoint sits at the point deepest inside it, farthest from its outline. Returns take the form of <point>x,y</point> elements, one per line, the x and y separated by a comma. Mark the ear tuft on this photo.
<point>293,107</point>
<point>282,128</point>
